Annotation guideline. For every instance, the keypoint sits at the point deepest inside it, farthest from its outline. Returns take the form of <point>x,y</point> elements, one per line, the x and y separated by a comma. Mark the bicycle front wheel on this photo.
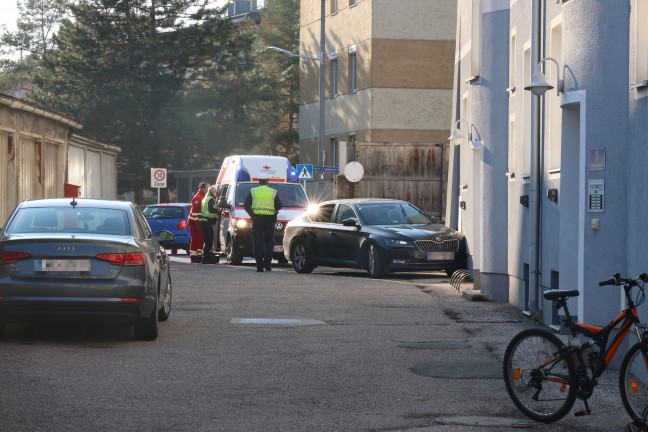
<point>536,378</point>
<point>633,384</point>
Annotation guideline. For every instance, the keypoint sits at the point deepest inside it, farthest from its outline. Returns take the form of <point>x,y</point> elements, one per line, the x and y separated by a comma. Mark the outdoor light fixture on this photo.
<point>456,136</point>
<point>539,84</point>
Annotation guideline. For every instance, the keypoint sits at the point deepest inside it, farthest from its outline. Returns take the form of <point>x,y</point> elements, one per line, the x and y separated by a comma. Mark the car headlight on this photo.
<point>399,243</point>
<point>242,223</point>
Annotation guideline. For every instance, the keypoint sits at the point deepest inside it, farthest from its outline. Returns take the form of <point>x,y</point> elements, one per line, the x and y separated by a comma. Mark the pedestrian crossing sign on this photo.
<point>305,171</point>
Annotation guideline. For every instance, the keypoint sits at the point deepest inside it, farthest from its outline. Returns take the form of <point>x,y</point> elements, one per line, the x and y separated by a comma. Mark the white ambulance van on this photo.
<point>237,176</point>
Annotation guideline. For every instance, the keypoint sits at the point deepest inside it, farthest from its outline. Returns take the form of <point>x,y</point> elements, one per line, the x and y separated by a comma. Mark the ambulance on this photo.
<point>237,176</point>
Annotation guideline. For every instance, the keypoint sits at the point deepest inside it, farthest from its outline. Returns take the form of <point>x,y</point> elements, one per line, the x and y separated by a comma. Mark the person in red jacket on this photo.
<point>195,224</point>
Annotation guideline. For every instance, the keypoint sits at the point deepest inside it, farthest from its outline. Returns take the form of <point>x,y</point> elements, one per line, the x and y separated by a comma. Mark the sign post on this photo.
<point>158,180</point>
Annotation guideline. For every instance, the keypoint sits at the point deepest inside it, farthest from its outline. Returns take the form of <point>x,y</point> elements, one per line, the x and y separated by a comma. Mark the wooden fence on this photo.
<point>414,172</point>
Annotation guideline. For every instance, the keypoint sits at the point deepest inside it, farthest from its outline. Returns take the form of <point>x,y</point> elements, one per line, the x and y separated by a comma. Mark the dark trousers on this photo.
<point>208,232</point>
<point>263,239</point>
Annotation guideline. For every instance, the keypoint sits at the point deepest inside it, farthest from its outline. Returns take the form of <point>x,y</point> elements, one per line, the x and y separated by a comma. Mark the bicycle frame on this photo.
<point>600,335</point>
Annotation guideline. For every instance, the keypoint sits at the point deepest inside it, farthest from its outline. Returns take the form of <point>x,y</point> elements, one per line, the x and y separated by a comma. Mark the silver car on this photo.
<point>84,258</point>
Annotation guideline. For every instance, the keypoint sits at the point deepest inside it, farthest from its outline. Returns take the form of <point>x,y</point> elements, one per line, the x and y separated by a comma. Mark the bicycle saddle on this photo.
<point>559,294</point>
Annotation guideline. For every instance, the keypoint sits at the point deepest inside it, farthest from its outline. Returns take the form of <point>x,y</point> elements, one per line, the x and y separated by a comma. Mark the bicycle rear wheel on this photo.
<point>633,385</point>
<point>535,378</point>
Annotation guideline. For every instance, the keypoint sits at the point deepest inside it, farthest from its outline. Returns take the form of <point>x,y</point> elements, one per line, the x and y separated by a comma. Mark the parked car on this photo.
<point>173,218</point>
<point>86,258</point>
<point>379,235</point>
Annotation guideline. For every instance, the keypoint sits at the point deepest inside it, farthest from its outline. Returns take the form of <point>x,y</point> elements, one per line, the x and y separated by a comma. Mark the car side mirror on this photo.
<point>351,222</point>
<point>222,203</point>
<point>166,238</point>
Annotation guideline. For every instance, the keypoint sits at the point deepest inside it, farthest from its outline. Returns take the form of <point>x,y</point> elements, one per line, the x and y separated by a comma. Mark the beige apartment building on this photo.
<point>389,69</point>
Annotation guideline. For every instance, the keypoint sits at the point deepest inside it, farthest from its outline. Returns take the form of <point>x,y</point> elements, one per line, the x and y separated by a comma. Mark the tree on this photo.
<point>34,28</point>
<point>281,110</point>
<point>152,76</point>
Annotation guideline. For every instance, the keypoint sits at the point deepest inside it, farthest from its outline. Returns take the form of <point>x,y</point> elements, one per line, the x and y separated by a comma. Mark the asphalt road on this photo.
<point>279,351</point>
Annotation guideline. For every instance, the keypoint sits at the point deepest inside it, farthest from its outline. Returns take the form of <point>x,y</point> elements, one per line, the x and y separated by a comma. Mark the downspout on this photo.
<point>452,206</point>
<point>534,186</point>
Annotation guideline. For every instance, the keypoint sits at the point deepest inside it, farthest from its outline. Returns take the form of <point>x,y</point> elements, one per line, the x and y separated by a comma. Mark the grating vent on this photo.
<point>432,246</point>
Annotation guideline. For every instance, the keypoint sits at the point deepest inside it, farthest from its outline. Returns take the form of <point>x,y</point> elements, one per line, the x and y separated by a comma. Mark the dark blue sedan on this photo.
<point>84,258</point>
<point>378,235</point>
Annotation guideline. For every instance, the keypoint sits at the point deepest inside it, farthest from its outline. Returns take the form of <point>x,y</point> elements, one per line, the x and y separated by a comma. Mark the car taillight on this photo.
<point>132,299</point>
<point>183,225</point>
<point>124,259</point>
<point>12,257</point>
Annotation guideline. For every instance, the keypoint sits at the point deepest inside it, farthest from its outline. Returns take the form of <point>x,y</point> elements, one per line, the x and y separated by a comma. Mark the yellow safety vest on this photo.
<point>263,200</point>
<point>204,207</point>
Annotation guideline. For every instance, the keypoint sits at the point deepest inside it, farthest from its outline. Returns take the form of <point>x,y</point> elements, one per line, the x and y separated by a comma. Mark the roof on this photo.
<point>365,200</point>
<point>20,104</point>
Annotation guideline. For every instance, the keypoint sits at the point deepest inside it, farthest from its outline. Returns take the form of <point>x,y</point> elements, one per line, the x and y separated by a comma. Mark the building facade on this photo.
<point>547,186</point>
<point>388,70</point>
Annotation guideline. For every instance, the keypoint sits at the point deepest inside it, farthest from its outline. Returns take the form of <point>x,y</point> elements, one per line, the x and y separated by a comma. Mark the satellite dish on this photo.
<point>353,171</point>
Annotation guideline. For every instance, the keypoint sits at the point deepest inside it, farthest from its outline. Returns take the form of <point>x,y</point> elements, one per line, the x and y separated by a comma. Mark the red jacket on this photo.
<point>196,207</point>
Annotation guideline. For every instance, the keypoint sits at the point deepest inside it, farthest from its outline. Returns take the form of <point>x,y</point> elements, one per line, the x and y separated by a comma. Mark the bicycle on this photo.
<point>544,376</point>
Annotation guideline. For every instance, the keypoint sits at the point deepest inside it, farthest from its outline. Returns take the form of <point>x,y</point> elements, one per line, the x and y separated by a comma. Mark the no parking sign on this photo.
<point>158,177</point>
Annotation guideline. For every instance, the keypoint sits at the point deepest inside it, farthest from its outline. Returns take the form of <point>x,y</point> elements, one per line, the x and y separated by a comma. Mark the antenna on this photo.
<point>73,203</point>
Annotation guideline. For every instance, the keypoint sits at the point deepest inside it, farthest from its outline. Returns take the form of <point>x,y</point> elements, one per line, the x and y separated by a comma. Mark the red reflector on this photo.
<point>132,299</point>
<point>12,257</point>
<point>183,225</point>
<point>127,259</point>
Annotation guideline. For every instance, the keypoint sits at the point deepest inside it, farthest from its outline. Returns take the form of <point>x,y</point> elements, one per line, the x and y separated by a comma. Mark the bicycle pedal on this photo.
<point>582,413</point>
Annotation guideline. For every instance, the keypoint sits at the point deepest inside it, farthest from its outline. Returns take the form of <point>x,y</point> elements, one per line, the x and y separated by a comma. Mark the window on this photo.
<point>641,48</point>
<point>511,148</point>
<point>526,142</point>
<point>475,45</point>
<point>344,212</point>
<point>352,69</point>
<point>512,62</point>
<point>334,6</point>
<point>323,213</point>
<point>334,75</point>
<point>553,100</point>
<point>353,2</point>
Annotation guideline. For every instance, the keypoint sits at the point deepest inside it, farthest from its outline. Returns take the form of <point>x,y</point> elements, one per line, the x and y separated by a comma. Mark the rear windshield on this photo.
<point>160,212</point>
<point>69,220</point>
<point>290,194</point>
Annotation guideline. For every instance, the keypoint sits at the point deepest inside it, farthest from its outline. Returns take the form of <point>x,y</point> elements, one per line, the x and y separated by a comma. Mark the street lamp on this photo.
<point>539,84</point>
<point>320,59</point>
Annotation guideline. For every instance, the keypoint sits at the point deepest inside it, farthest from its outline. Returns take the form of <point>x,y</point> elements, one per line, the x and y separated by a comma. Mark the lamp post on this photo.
<point>320,59</point>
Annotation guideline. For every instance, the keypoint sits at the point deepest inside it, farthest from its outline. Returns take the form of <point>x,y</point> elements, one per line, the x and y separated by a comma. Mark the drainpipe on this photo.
<point>534,186</point>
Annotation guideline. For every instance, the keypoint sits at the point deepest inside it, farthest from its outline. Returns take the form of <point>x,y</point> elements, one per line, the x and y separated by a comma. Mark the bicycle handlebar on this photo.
<point>618,280</point>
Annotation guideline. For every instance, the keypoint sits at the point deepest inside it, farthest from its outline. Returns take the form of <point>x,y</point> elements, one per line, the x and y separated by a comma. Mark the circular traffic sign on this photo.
<point>353,171</point>
<point>159,175</point>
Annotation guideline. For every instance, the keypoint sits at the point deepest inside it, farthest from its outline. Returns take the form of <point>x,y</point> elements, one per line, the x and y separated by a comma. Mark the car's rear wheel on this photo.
<point>231,255</point>
<point>165,310</point>
<point>3,325</point>
<point>146,329</point>
<point>375,265</point>
<point>300,258</point>
<point>174,251</point>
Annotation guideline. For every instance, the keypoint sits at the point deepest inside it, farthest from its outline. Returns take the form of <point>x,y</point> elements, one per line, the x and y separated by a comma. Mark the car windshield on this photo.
<point>290,194</point>
<point>393,214</point>
<point>69,220</point>
<point>164,212</point>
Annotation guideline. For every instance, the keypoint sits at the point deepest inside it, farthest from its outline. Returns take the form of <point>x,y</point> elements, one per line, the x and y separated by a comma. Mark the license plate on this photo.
<point>438,256</point>
<point>59,265</point>
<point>277,249</point>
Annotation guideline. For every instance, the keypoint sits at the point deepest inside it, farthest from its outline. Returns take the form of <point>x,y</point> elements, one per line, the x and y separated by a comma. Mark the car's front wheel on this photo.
<point>375,265</point>
<point>300,258</point>
<point>231,255</point>
<point>165,309</point>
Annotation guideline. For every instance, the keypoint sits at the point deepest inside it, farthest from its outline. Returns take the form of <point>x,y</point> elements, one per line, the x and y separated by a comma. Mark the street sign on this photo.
<point>325,168</point>
<point>158,177</point>
<point>305,171</point>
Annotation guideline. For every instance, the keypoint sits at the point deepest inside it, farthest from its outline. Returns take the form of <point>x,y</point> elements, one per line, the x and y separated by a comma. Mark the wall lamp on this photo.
<point>539,84</point>
<point>456,137</point>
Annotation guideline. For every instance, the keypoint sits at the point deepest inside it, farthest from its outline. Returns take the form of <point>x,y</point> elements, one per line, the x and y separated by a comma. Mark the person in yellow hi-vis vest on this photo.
<point>209,215</point>
<point>263,204</point>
